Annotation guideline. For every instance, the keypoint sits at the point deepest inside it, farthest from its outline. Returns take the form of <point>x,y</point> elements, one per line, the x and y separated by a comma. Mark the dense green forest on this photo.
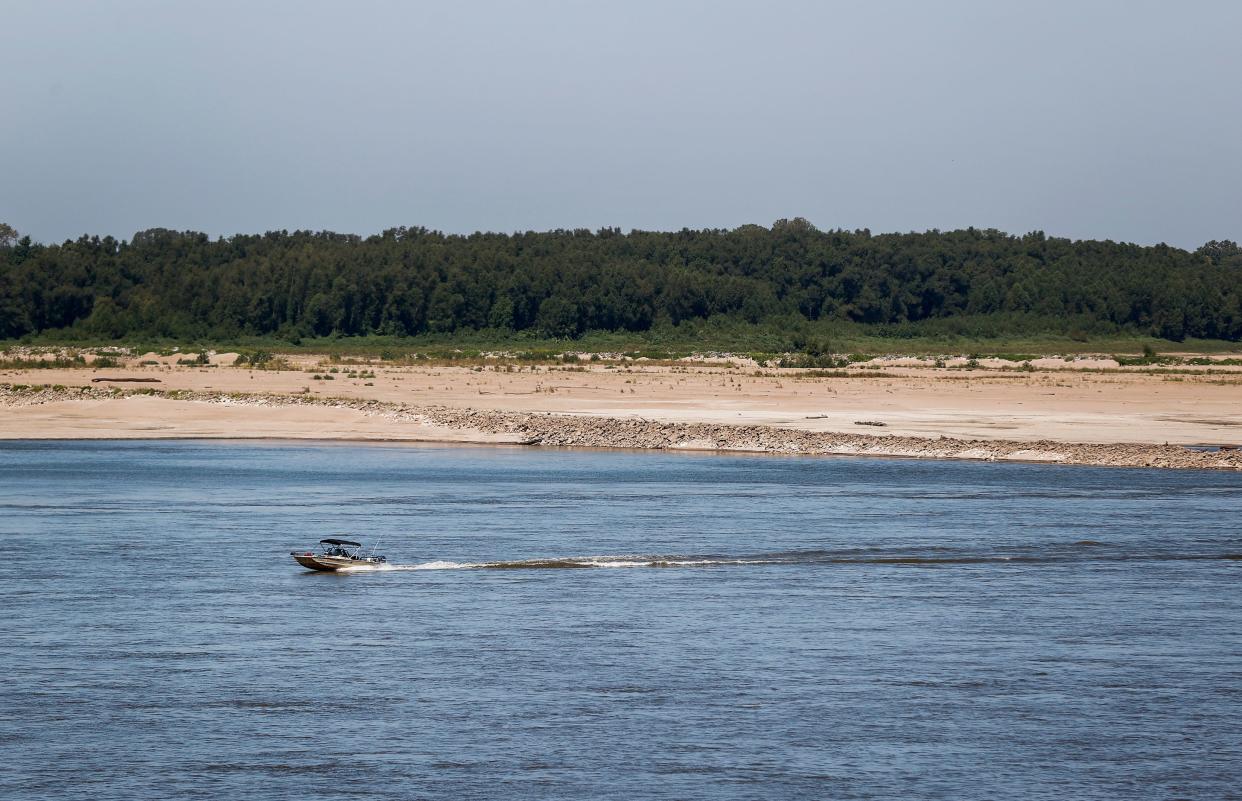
<point>412,281</point>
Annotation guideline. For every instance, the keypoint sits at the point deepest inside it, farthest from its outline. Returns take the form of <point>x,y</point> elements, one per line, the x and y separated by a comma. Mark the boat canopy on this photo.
<point>341,542</point>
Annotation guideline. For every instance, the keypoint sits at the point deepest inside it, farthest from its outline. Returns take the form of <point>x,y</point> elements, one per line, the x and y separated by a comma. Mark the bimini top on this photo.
<point>341,542</point>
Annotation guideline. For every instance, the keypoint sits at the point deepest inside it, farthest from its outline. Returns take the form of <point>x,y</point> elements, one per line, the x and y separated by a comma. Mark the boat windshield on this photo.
<point>340,548</point>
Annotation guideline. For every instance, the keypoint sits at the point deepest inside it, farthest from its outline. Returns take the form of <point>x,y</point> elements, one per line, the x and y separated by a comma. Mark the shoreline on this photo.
<point>206,415</point>
<point>445,443</point>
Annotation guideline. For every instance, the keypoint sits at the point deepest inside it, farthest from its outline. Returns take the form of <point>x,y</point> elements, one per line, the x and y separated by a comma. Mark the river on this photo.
<point>578,624</point>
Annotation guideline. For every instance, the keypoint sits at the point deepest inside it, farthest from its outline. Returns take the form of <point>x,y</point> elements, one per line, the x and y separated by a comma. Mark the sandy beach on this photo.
<point>1074,412</point>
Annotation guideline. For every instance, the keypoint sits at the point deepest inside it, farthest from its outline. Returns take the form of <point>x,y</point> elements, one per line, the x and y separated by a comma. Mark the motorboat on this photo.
<point>336,554</point>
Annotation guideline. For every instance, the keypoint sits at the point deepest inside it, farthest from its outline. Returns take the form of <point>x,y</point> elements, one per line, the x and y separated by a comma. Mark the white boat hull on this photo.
<point>316,561</point>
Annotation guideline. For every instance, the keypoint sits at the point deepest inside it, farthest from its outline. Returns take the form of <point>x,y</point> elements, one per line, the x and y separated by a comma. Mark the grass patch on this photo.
<point>1017,340</point>
<point>60,362</point>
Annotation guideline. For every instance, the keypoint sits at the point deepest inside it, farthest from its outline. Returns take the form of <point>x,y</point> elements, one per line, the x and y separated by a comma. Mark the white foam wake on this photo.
<point>569,562</point>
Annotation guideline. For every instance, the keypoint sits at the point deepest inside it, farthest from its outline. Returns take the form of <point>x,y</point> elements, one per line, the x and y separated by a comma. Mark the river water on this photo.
<point>576,625</point>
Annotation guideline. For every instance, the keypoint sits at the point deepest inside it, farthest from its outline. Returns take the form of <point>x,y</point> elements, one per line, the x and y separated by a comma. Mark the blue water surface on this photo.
<point>744,626</point>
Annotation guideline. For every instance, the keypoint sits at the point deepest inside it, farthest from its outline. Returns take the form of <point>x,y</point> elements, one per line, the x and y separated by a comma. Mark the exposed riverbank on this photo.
<point>97,412</point>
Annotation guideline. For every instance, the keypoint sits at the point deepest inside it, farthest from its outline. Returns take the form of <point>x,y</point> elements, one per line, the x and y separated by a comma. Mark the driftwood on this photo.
<point>128,380</point>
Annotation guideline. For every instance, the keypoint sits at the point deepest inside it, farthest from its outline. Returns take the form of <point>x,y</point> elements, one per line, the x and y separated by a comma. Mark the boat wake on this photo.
<point>567,563</point>
<point>1084,551</point>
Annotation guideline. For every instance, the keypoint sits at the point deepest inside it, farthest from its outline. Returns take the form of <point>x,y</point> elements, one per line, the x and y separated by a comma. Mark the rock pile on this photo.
<point>606,432</point>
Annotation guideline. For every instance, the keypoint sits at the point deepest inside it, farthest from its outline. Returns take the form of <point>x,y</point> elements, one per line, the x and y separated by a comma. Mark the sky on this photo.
<point>1091,119</point>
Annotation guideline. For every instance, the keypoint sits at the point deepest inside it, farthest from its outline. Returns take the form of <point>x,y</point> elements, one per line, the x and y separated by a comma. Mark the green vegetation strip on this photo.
<point>786,288</point>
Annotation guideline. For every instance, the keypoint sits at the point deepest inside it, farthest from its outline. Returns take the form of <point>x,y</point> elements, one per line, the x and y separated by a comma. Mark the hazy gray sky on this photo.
<point>1118,120</point>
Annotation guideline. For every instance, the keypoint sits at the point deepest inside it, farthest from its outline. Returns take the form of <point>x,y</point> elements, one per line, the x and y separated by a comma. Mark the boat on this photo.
<point>336,554</point>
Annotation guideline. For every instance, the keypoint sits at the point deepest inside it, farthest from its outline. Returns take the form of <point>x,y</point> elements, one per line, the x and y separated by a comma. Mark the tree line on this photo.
<point>564,283</point>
